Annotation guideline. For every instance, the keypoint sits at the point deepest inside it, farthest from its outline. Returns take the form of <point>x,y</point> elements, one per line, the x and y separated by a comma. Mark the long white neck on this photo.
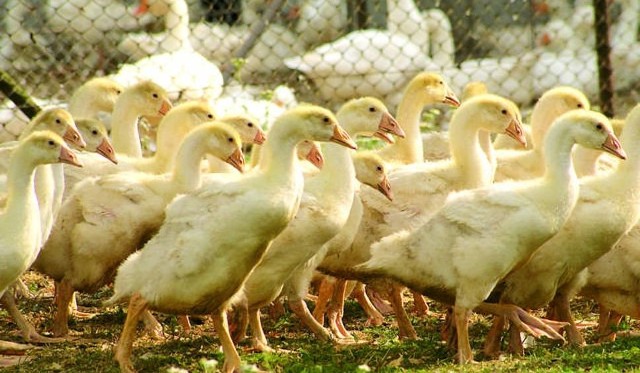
<point>559,171</point>
<point>558,189</point>
<point>125,136</point>
<point>169,139</point>
<point>441,43</point>
<point>542,117</point>
<point>22,203</point>
<point>187,175</point>
<point>466,152</point>
<point>486,143</point>
<point>278,153</point>
<point>177,23</point>
<point>407,150</point>
<point>404,17</point>
<point>337,178</point>
<point>44,181</point>
<point>57,170</point>
<point>81,106</point>
<point>585,160</point>
<point>628,171</point>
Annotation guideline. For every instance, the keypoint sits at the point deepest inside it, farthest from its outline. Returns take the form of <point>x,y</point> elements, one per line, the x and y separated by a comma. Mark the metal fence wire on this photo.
<point>324,51</point>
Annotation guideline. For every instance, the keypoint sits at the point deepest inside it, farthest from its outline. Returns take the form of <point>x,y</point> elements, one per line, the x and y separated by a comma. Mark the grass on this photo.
<point>377,350</point>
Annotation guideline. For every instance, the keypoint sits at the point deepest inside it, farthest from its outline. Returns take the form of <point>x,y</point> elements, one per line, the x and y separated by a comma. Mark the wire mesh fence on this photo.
<point>237,52</point>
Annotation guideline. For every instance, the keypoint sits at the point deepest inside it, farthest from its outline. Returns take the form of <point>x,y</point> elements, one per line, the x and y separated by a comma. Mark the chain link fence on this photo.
<point>325,51</point>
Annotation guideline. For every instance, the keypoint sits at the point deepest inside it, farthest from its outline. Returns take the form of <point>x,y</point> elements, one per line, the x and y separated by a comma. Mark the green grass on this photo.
<point>297,350</point>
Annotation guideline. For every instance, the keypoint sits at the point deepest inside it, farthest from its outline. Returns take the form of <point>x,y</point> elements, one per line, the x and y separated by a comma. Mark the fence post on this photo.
<point>18,95</point>
<point>603,49</point>
<point>357,10</point>
<point>254,34</point>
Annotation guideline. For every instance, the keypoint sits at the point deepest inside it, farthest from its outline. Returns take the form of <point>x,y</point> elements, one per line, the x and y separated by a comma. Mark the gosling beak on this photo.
<point>165,107</point>
<point>612,145</point>
<point>515,130</point>
<point>384,136</point>
<point>142,8</point>
<point>389,124</point>
<point>451,99</point>
<point>236,159</point>
<point>315,157</point>
<point>385,188</point>
<point>68,156</point>
<point>259,137</point>
<point>72,136</point>
<point>341,137</point>
<point>106,150</point>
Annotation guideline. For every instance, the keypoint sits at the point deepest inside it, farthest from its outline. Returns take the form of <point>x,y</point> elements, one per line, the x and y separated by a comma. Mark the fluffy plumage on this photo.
<point>323,211</point>
<point>49,178</point>
<point>426,88</point>
<point>250,133</point>
<point>612,281</point>
<point>370,170</point>
<point>95,135</point>
<point>480,235</point>
<point>210,262</point>
<point>20,222</point>
<point>361,63</point>
<point>141,99</point>
<point>183,72</point>
<point>521,165</point>
<point>606,209</point>
<point>107,218</point>
<point>171,131</point>
<point>97,95</point>
<point>421,188</point>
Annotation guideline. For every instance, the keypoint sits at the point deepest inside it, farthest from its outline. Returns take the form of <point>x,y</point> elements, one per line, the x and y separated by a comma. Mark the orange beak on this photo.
<point>165,107</point>
<point>105,149</point>
<point>451,99</point>
<point>72,136</point>
<point>384,136</point>
<point>515,130</point>
<point>259,137</point>
<point>389,124</point>
<point>69,157</point>
<point>612,145</point>
<point>341,137</point>
<point>236,159</point>
<point>385,188</point>
<point>315,157</point>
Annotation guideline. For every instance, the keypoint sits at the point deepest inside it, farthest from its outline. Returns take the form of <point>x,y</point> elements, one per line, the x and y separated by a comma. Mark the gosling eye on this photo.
<point>250,124</point>
<point>230,139</point>
<point>599,126</point>
<point>58,121</point>
<point>94,132</point>
<point>372,109</point>
<point>504,111</point>
<point>118,91</point>
<point>580,106</point>
<point>326,119</point>
<point>51,143</point>
<point>210,116</point>
<point>155,95</point>
<point>441,82</point>
<point>379,168</point>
